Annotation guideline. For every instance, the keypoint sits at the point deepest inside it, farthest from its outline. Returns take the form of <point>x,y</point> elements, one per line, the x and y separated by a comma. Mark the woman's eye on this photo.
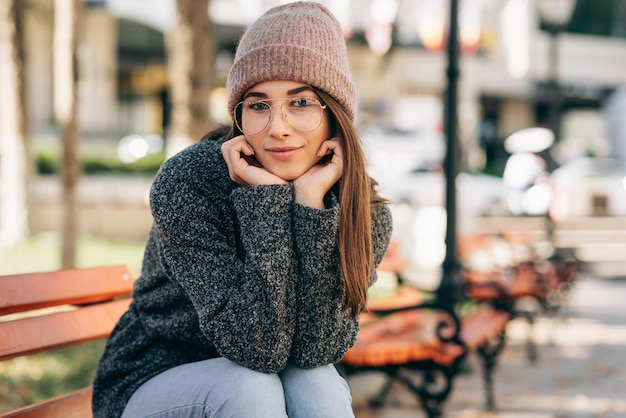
<point>303,102</point>
<point>258,106</point>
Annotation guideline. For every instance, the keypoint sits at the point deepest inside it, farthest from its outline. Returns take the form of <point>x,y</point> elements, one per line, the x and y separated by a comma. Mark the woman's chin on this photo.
<point>287,175</point>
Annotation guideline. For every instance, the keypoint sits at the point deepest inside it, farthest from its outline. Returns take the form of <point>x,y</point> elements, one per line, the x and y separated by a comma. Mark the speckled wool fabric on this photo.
<point>241,272</point>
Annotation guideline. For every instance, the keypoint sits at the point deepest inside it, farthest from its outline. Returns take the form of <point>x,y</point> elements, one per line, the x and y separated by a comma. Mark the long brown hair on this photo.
<point>357,193</point>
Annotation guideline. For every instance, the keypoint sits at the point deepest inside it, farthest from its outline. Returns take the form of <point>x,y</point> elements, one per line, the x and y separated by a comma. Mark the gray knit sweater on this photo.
<point>239,272</point>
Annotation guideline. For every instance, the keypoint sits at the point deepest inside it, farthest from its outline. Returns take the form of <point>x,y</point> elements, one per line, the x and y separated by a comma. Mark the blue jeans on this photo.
<point>220,388</point>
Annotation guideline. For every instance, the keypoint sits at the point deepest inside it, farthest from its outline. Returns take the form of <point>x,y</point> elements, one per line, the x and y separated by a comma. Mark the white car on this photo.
<point>589,186</point>
<point>408,166</point>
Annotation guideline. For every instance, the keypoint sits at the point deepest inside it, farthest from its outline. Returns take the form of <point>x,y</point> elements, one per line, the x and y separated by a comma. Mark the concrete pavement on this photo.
<point>581,371</point>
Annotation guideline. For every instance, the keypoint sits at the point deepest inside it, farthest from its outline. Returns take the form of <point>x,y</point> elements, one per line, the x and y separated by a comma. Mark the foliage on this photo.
<point>49,163</point>
<point>27,380</point>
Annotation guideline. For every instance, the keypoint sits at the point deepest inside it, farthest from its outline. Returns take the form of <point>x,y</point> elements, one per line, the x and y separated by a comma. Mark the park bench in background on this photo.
<point>40,312</point>
<point>507,268</point>
<point>513,261</point>
<point>416,332</point>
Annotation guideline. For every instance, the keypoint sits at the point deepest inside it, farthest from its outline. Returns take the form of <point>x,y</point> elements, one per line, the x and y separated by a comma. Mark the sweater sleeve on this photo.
<point>323,331</point>
<point>243,301</point>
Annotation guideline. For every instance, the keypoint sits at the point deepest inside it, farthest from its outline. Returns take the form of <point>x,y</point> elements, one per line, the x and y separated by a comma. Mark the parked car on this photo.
<point>589,186</point>
<point>408,166</point>
<point>396,152</point>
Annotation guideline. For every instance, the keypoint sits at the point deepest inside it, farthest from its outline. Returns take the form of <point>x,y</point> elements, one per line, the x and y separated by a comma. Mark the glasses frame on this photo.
<point>238,116</point>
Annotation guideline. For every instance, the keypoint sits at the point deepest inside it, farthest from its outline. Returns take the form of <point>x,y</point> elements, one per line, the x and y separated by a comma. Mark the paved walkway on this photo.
<point>581,372</point>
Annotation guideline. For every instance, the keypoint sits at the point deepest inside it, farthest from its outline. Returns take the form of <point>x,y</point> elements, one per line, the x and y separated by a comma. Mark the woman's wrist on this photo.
<point>309,197</point>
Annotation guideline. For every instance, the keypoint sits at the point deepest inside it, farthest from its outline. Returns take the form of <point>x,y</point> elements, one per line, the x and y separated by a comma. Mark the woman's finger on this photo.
<point>330,146</point>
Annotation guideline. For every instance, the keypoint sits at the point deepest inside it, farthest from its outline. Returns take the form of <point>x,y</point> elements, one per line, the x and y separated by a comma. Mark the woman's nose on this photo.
<point>278,126</point>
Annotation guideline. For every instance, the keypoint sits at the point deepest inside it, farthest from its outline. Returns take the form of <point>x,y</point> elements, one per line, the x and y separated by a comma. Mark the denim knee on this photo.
<point>215,388</point>
<point>255,394</point>
<point>316,393</point>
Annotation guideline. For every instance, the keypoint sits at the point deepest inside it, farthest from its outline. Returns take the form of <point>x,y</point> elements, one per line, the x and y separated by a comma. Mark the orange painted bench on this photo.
<point>411,331</point>
<point>40,312</point>
<point>508,263</point>
<point>505,268</point>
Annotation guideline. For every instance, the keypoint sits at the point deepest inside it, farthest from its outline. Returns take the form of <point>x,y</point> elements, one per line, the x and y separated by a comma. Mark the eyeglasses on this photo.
<point>303,114</point>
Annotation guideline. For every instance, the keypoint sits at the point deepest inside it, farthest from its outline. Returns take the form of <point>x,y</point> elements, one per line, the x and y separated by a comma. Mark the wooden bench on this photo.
<point>511,262</point>
<point>40,312</point>
<point>506,269</point>
<point>412,331</point>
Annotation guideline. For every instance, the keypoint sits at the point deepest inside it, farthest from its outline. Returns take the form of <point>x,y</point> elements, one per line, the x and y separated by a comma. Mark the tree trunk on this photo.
<point>65,87</point>
<point>14,167</point>
<point>190,51</point>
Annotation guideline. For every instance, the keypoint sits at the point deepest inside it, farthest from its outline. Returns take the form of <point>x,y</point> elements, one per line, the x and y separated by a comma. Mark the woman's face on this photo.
<point>287,147</point>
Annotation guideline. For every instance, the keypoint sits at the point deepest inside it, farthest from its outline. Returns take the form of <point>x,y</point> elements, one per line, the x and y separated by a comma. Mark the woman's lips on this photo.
<point>282,153</point>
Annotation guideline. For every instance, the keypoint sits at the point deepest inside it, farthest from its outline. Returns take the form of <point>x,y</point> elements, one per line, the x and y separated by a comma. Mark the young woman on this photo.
<point>265,240</point>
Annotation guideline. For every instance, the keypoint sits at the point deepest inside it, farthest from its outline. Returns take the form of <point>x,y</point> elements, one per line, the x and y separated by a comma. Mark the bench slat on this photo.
<point>24,292</point>
<point>404,296</point>
<point>73,405</point>
<point>401,338</point>
<point>482,325</point>
<point>42,333</point>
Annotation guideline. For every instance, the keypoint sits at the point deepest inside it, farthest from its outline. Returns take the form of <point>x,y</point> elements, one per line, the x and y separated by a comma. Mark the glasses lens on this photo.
<point>252,116</point>
<point>301,113</point>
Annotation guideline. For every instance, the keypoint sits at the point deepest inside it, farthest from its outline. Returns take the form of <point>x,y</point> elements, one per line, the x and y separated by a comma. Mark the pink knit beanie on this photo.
<point>300,41</point>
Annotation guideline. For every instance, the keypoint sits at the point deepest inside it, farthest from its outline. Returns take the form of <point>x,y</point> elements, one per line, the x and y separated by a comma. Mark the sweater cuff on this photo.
<point>262,210</point>
<point>315,235</point>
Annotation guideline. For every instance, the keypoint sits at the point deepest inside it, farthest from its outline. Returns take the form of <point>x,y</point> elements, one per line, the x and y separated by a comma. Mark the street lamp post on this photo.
<point>448,288</point>
<point>555,15</point>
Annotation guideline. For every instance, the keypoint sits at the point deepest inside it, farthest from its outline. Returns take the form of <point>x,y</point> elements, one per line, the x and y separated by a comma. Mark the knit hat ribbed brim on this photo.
<point>300,41</point>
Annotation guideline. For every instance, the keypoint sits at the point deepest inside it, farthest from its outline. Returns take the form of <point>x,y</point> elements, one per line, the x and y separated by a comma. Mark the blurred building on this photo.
<point>397,52</point>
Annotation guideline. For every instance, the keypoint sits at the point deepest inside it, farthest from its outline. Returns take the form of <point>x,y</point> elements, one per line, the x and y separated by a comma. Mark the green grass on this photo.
<point>44,253</point>
<point>49,162</point>
<point>26,380</point>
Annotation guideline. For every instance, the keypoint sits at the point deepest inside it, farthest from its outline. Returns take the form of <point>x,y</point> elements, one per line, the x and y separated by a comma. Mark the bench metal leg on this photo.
<point>531,347</point>
<point>434,388</point>
<point>431,384</point>
<point>529,313</point>
<point>379,400</point>
<point>489,352</point>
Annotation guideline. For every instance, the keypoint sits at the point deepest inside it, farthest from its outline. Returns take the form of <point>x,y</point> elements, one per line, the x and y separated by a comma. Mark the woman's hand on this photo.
<point>311,187</point>
<point>243,167</point>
